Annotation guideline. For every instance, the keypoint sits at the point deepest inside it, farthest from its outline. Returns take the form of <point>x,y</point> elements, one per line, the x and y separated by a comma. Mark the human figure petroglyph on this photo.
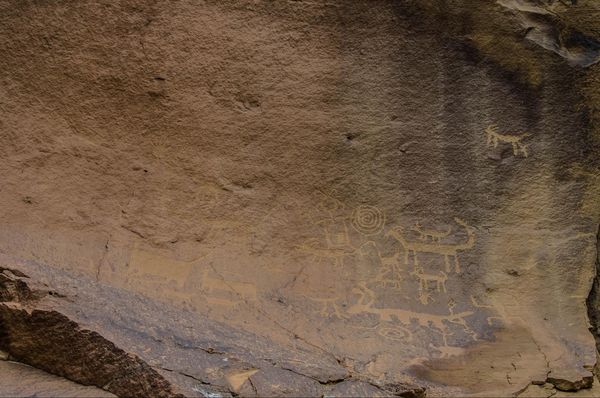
<point>330,213</point>
<point>425,297</point>
<point>336,233</point>
<point>493,137</point>
<point>390,270</point>
<point>504,314</point>
<point>334,243</point>
<point>427,234</point>
<point>445,249</point>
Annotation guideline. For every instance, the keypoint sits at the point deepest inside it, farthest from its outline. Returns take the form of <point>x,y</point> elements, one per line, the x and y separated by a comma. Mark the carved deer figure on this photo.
<point>424,279</point>
<point>493,137</point>
<point>445,249</point>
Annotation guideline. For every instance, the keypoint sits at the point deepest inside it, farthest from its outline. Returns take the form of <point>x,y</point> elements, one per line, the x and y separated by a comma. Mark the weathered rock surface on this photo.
<point>302,197</point>
<point>76,331</point>
<point>20,380</point>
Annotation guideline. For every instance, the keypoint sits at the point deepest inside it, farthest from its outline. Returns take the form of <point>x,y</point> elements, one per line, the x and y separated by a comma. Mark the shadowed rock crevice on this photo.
<point>545,28</point>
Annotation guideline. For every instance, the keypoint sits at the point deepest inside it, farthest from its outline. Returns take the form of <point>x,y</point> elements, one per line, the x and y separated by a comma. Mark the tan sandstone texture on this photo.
<point>215,198</point>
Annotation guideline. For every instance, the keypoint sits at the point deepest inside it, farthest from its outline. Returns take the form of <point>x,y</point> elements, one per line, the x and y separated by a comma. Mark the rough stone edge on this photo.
<point>130,376</point>
<point>593,306</point>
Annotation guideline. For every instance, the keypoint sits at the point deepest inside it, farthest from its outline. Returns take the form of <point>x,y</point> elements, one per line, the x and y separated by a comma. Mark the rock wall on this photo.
<point>360,197</point>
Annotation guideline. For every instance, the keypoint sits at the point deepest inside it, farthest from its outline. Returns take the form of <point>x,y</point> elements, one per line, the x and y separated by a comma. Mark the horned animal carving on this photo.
<point>493,137</point>
<point>424,279</point>
<point>445,249</point>
<point>366,305</point>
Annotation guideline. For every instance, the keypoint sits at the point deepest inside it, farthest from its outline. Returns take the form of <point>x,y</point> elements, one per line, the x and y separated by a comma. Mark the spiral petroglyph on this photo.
<point>368,220</point>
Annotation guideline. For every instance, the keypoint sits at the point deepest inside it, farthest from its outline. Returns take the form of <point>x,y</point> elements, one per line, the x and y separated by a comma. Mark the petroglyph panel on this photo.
<point>392,190</point>
<point>424,302</point>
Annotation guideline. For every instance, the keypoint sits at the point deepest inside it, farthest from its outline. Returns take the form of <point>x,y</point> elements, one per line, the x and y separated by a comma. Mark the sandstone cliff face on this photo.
<point>302,197</point>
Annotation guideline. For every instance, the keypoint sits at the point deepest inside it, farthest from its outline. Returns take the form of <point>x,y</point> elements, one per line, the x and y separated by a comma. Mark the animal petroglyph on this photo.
<point>424,280</point>
<point>355,240</point>
<point>493,138</point>
<point>439,279</point>
<point>329,307</point>
<point>442,323</point>
<point>427,234</point>
<point>505,311</point>
<point>366,303</point>
<point>447,351</point>
<point>315,247</point>
<point>230,293</point>
<point>444,249</point>
<point>368,220</point>
<point>150,271</point>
